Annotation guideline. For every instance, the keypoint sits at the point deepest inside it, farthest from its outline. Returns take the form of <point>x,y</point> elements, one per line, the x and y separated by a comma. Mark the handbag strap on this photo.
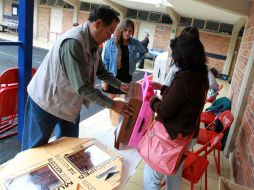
<point>192,134</point>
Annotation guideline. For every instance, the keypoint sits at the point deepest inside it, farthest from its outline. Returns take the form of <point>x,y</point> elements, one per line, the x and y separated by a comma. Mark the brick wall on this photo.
<point>242,60</point>
<point>161,37</point>
<point>82,16</point>
<point>7,7</point>
<point>43,21</point>
<point>136,25</point>
<point>243,150</point>
<point>244,153</point>
<point>67,19</point>
<point>237,49</point>
<point>215,63</point>
<point>216,44</point>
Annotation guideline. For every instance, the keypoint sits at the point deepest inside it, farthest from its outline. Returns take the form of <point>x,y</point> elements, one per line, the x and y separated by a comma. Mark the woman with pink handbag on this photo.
<point>179,109</point>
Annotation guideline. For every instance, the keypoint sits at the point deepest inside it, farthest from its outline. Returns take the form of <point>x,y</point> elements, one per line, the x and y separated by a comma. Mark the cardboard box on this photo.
<point>125,128</point>
<point>68,163</point>
<point>225,184</point>
<point>114,116</point>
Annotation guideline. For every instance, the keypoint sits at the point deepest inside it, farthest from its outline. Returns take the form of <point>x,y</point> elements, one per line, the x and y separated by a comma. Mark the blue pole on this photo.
<point>25,29</point>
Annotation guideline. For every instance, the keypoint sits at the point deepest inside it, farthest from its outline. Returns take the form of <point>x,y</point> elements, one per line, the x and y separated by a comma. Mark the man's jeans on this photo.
<point>152,179</point>
<point>39,125</point>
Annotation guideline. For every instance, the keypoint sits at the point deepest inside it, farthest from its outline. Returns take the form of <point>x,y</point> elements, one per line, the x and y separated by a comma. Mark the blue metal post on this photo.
<point>26,9</point>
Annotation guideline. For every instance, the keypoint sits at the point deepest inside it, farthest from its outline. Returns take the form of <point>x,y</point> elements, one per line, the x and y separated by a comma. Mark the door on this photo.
<point>56,20</point>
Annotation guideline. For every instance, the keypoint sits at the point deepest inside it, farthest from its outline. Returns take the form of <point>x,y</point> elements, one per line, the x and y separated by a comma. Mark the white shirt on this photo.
<point>171,74</point>
<point>212,81</point>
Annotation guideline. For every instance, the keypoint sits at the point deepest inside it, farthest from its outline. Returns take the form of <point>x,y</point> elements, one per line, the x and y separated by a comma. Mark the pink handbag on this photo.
<point>160,152</point>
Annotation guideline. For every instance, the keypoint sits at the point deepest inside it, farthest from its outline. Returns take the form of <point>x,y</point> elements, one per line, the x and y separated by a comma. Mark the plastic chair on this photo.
<point>10,76</point>
<point>212,98</point>
<point>207,117</point>
<point>226,118</point>
<point>218,106</point>
<point>9,100</point>
<point>8,109</point>
<point>196,163</point>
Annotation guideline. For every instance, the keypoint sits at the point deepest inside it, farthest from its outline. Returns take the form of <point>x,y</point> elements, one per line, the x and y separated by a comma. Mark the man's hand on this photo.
<point>122,108</point>
<point>124,87</point>
<point>104,85</point>
<point>156,85</point>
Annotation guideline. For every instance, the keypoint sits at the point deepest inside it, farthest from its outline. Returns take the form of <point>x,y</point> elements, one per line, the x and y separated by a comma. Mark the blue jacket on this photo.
<point>110,55</point>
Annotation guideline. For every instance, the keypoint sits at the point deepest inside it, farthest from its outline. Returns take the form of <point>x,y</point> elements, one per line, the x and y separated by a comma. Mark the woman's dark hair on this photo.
<point>107,15</point>
<point>189,54</point>
<point>193,30</point>
<point>119,31</point>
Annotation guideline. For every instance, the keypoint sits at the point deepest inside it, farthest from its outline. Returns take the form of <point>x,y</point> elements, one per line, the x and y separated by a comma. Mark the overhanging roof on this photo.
<point>226,11</point>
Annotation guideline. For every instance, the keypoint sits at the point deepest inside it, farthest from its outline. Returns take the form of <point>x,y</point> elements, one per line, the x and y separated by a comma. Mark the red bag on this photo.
<point>160,152</point>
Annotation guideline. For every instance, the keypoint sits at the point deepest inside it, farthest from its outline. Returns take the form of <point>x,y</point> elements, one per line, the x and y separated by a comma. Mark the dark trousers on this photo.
<point>39,125</point>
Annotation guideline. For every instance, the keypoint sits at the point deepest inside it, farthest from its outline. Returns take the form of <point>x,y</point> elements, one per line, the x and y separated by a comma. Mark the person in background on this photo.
<point>120,57</point>
<point>181,103</point>
<point>66,78</point>
<point>213,85</point>
<point>144,43</point>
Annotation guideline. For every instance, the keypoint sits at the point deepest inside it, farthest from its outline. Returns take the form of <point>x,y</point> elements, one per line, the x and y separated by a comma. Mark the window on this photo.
<point>166,19</point>
<point>84,6</point>
<point>94,6</point>
<point>199,23</point>
<point>154,17</point>
<point>148,16</point>
<point>106,6</point>
<point>131,13</point>
<point>15,8</point>
<point>43,2</point>
<point>212,26</point>
<point>143,15</point>
<point>60,3</point>
<point>51,2</point>
<point>184,21</point>
<point>226,28</point>
<point>68,6</point>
